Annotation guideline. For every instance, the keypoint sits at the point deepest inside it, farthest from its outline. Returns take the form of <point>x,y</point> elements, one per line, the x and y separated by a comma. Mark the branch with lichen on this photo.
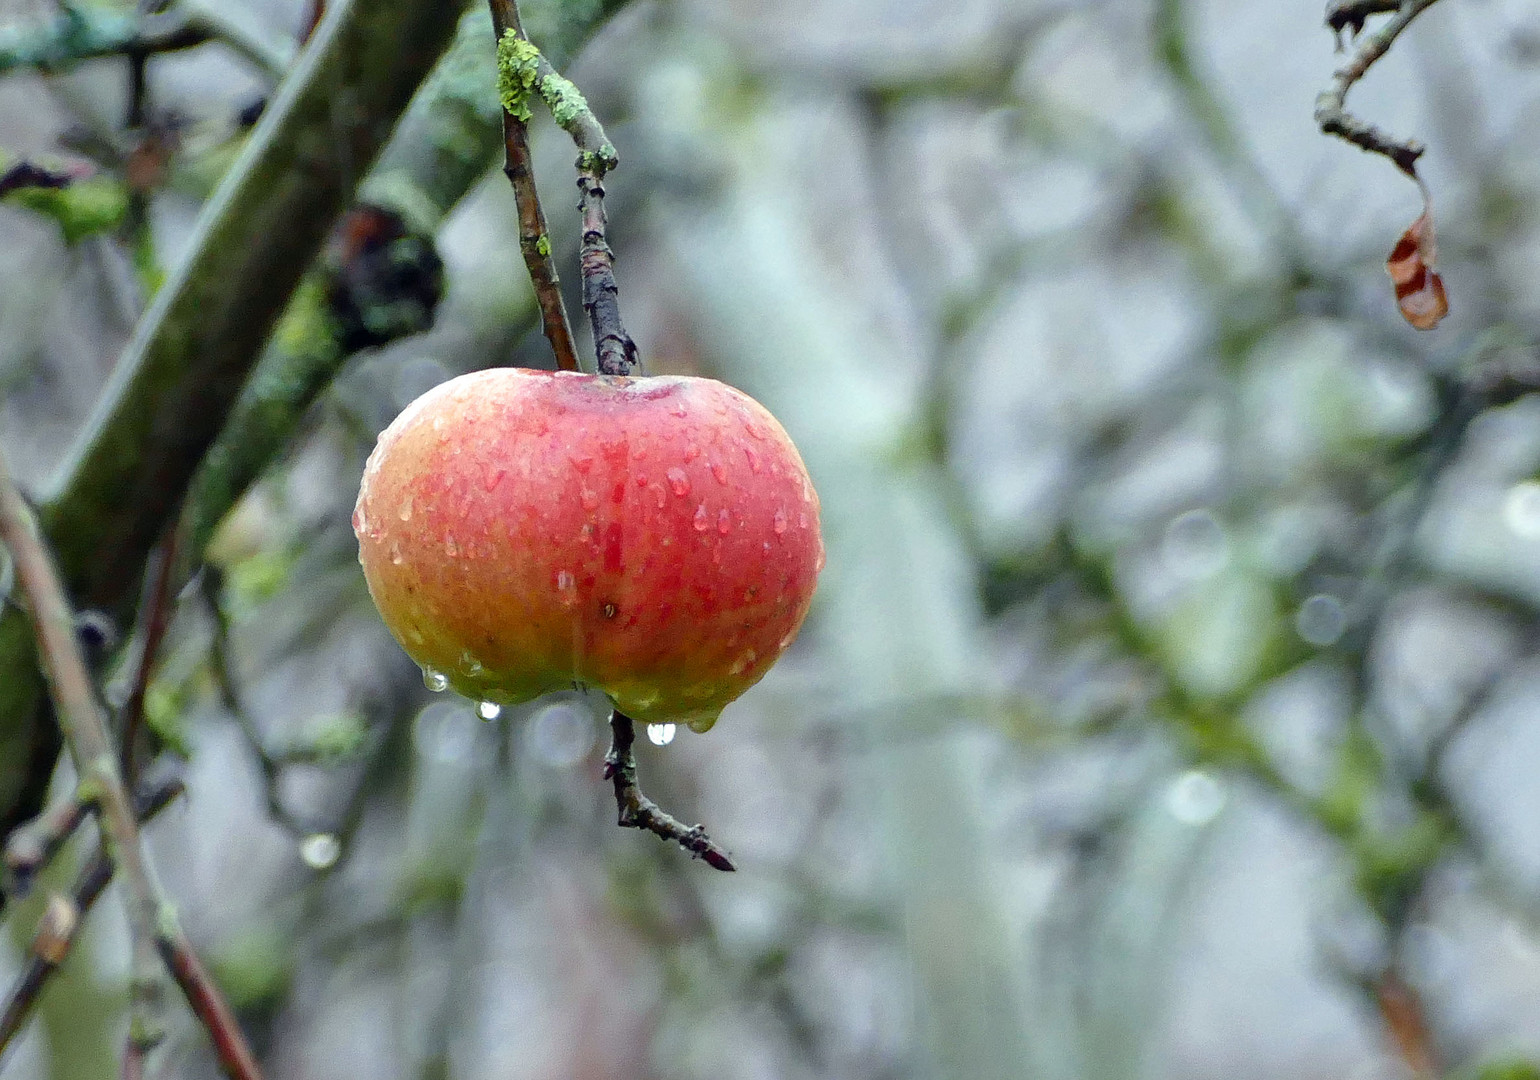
<point>523,74</point>
<point>534,234</point>
<point>1331,104</point>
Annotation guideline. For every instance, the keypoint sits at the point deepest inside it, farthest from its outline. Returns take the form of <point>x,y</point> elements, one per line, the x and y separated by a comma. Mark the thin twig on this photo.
<point>52,946</point>
<point>1330,105</point>
<point>84,727</point>
<point>32,846</point>
<point>153,924</point>
<point>523,72</point>
<point>534,237</point>
<point>637,811</point>
<point>157,609</point>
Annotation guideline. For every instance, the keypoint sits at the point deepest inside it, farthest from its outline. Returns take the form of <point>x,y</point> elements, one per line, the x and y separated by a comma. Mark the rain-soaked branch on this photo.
<point>637,811</point>
<point>534,237</point>
<point>1331,104</point>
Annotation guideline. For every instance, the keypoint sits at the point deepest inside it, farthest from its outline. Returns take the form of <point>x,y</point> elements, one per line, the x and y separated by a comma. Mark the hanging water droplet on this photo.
<point>435,681</point>
<point>779,522</point>
<point>320,851</point>
<point>702,521</point>
<point>724,521</point>
<point>489,710</point>
<point>660,734</point>
<point>678,481</point>
<point>720,472</point>
<point>743,662</point>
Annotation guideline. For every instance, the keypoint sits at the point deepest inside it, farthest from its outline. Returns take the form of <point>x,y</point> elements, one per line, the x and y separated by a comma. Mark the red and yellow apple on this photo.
<point>655,538</point>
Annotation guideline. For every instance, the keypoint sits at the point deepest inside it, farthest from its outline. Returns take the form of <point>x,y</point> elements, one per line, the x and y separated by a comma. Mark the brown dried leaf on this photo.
<point>1419,290</point>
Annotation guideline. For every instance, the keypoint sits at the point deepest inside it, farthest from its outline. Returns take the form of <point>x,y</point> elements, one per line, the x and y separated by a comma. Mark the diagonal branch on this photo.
<point>195,347</point>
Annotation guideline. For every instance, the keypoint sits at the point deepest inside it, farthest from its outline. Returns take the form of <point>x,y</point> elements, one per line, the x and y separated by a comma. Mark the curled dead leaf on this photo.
<point>1419,290</point>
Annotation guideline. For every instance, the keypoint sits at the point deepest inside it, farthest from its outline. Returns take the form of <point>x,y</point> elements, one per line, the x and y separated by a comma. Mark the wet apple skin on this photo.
<point>654,538</point>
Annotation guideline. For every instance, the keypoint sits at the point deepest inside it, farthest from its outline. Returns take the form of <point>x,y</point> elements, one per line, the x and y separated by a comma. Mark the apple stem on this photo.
<point>616,351</point>
<point>637,811</point>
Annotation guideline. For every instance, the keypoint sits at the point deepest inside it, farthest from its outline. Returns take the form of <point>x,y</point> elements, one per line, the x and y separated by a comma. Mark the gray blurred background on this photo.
<point>1168,708</point>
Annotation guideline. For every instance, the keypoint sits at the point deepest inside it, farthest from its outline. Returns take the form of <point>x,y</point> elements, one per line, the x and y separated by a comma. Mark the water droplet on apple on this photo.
<point>743,662</point>
<point>489,710</point>
<point>396,557</point>
<point>720,472</point>
<point>472,666</point>
<point>435,681</point>
<point>724,521</point>
<point>753,431</point>
<point>660,734</point>
<point>702,521</point>
<point>405,513</point>
<point>320,851</point>
<point>360,520</point>
<point>681,413</point>
<point>565,581</point>
<point>494,476</point>
<point>748,452</point>
<point>590,498</point>
<point>451,547</point>
<point>691,452</point>
<point>779,522</point>
<point>659,494</point>
<point>785,641</point>
<point>679,482</point>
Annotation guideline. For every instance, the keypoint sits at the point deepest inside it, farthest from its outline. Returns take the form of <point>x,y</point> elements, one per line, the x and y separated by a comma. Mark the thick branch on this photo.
<point>1331,104</point>
<point>196,346</point>
<point>637,811</point>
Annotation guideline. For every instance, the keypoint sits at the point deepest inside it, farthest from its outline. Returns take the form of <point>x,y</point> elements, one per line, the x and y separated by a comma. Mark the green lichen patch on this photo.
<point>518,72</point>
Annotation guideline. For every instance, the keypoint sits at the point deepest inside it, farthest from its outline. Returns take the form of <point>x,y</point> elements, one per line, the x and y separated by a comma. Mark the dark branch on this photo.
<point>1331,104</point>
<point>637,811</point>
